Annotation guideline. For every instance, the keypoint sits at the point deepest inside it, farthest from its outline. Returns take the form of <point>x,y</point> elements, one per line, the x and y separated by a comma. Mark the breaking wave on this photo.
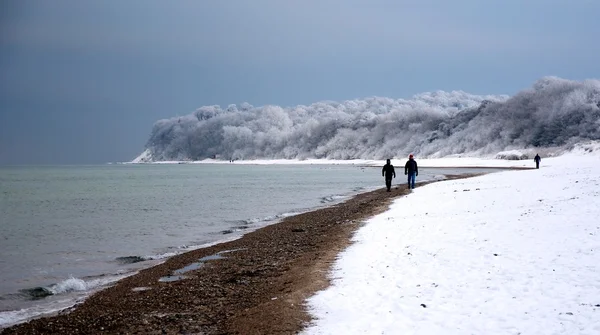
<point>554,112</point>
<point>69,292</point>
<point>71,284</point>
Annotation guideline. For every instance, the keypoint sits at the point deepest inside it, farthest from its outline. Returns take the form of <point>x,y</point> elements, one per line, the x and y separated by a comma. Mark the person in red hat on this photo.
<point>411,170</point>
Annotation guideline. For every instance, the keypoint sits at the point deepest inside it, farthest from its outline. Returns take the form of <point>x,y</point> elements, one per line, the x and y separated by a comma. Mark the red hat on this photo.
<point>410,156</point>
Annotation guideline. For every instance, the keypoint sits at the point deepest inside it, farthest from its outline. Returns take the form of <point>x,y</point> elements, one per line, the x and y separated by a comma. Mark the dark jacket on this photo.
<point>411,167</point>
<point>388,171</point>
<point>537,158</point>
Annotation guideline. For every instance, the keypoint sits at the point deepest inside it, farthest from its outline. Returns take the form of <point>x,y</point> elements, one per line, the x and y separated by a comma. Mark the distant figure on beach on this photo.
<point>411,169</point>
<point>389,173</point>
<point>537,159</point>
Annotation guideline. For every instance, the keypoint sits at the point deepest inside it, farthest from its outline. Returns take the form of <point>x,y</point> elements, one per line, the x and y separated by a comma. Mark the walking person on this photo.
<point>537,159</point>
<point>412,170</point>
<point>389,173</point>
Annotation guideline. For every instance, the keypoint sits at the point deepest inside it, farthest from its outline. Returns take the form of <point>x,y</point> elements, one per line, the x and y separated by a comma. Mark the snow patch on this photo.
<point>512,155</point>
<point>144,157</point>
<point>504,253</point>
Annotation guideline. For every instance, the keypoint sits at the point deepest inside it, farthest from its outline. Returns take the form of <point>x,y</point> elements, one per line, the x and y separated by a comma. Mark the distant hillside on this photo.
<point>555,112</point>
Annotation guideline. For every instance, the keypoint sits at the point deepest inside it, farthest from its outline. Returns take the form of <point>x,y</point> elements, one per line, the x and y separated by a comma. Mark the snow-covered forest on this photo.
<point>554,112</point>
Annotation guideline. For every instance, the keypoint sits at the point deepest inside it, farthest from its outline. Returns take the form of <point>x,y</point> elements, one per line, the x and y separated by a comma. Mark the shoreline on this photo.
<point>257,286</point>
<point>423,163</point>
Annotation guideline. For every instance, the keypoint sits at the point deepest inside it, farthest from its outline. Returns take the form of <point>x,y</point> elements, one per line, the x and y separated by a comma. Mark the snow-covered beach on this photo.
<point>515,252</point>
<point>508,252</point>
<point>225,167</point>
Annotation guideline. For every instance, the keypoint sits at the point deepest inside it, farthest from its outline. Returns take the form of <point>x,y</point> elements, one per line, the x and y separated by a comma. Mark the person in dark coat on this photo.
<point>411,170</point>
<point>389,173</point>
<point>537,159</point>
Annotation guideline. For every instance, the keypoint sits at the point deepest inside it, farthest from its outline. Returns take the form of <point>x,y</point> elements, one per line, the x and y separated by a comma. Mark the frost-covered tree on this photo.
<point>553,112</point>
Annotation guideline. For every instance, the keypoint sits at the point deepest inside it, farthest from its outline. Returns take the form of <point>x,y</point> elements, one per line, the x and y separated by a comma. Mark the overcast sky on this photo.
<point>82,82</point>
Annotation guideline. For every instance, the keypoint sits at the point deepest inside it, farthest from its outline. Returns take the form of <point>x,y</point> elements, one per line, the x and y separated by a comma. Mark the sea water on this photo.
<point>66,231</point>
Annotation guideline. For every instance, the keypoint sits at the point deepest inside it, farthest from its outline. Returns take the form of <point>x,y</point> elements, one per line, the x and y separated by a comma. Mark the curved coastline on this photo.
<point>252,285</point>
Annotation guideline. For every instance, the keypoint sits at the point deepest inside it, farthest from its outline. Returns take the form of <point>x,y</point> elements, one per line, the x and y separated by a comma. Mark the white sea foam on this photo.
<point>65,294</point>
<point>9,318</point>
<point>69,285</point>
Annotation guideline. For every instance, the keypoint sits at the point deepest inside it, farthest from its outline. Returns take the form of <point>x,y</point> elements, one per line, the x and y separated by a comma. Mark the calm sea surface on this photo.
<point>67,231</point>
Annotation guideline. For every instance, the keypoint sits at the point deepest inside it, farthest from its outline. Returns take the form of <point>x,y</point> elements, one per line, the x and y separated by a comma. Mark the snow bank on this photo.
<point>515,252</point>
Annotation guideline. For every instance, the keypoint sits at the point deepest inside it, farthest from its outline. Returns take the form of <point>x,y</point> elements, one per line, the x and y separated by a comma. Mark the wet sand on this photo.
<point>257,287</point>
